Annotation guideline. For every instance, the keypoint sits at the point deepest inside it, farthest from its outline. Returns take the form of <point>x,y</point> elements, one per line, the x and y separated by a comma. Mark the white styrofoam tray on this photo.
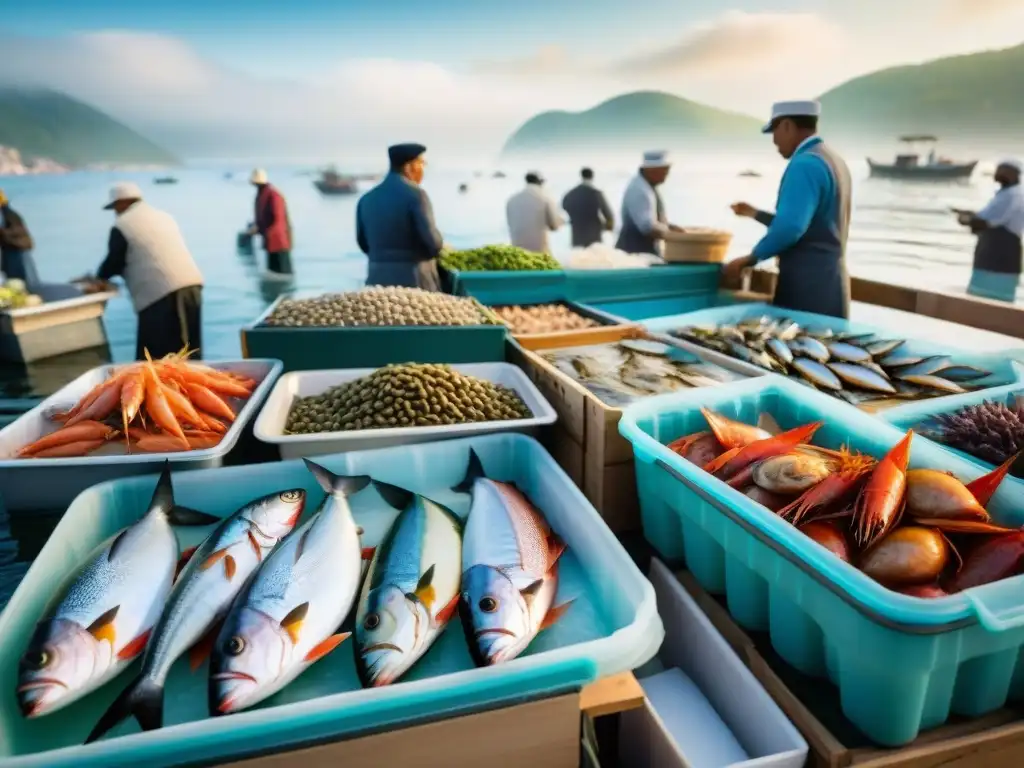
<point>693,645</point>
<point>270,423</point>
<point>50,484</point>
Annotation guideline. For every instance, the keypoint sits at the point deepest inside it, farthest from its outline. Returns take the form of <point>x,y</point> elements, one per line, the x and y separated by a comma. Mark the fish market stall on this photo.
<point>375,326</point>
<point>49,328</point>
<point>593,613</point>
<point>880,562</point>
<point>588,377</point>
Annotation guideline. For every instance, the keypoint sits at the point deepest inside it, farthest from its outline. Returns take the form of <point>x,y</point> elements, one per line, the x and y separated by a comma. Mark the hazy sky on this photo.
<point>316,76</point>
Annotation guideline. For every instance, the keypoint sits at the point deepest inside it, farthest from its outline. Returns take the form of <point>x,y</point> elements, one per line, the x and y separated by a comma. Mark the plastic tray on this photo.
<point>270,423</point>
<point>902,664</point>
<point>644,309</point>
<point>613,625</point>
<point>589,285</point>
<point>510,287</point>
<point>314,348</point>
<point>34,484</point>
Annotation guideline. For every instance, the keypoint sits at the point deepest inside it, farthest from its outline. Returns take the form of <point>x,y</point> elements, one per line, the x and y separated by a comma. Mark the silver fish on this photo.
<point>288,616</point>
<point>926,367</point>
<point>820,333</point>
<point>787,330</point>
<point>884,347</point>
<point>873,366</point>
<point>900,361</point>
<point>851,337</point>
<point>935,382</point>
<point>779,348</point>
<point>817,373</point>
<point>962,373</point>
<point>861,377</point>
<point>411,589</point>
<point>99,623</point>
<point>848,353</point>
<point>808,347</point>
<point>202,594</point>
<point>509,569</point>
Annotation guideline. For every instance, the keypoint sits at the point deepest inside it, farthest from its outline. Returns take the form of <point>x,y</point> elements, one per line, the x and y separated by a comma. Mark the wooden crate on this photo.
<point>994,740</point>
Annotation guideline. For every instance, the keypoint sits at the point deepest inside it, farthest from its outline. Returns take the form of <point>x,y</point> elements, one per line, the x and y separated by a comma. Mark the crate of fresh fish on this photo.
<point>866,366</point>
<point>115,421</point>
<point>311,413</point>
<point>241,627</point>
<point>876,559</point>
<point>631,311</point>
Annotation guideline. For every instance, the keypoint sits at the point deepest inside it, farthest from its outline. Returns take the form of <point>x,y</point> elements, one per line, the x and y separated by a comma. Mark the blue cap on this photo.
<point>400,154</point>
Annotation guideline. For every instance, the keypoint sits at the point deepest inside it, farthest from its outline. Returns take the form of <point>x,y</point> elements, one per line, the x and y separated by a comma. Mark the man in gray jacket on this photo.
<point>589,212</point>
<point>395,225</point>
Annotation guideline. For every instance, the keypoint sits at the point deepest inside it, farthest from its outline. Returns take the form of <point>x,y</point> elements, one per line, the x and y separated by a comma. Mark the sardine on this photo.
<point>848,353</point>
<point>100,623</point>
<point>808,347</point>
<point>411,589</point>
<point>645,347</point>
<point>509,569</point>
<point>788,330</point>
<point>202,594</point>
<point>900,361</point>
<point>935,382</point>
<point>288,615</point>
<point>927,367</point>
<point>862,377</point>
<point>779,348</point>
<point>873,366</point>
<point>962,373</point>
<point>855,337</point>
<point>884,347</point>
<point>817,373</point>
<point>822,334</point>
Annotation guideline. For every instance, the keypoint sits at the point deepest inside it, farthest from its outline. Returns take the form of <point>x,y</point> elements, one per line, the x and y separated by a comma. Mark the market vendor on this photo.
<point>147,250</point>
<point>531,214</point>
<point>644,222</point>
<point>589,213</point>
<point>16,260</point>
<point>395,225</point>
<point>809,229</point>
<point>272,224</point>
<point>999,227</point>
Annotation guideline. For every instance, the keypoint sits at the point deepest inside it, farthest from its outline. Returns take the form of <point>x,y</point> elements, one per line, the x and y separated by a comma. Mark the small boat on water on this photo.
<point>165,180</point>
<point>750,175</point>
<point>333,183</point>
<point>909,165</point>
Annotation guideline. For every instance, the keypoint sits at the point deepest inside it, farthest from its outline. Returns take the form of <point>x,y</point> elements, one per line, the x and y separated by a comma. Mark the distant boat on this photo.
<point>165,180</point>
<point>333,183</point>
<point>909,165</point>
<point>498,175</point>
<point>463,188</point>
<point>750,174</point>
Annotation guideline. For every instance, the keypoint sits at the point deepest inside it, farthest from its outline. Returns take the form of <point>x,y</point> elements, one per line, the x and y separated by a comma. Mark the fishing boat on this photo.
<point>909,165</point>
<point>165,180</point>
<point>333,183</point>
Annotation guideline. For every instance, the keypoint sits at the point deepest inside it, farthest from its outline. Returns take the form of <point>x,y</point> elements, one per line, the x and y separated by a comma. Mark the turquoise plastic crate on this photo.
<point>590,285</point>
<point>612,626</point>
<point>1006,372</point>
<point>901,664</point>
<point>645,309</point>
<point>495,288</point>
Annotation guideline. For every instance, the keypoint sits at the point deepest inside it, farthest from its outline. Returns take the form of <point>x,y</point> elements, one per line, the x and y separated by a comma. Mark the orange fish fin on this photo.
<point>230,567</point>
<point>368,553</point>
<point>213,559</point>
<point>446,613</point>
<point>554,614</point>
<point>255,545</point>
<point>103,627</point>
<point>201,651</point>
<point>135,647</point>
<point>555,548</point>
<point>183,561</point>
<point>984,487</point>
<point>292,623</point>
<point>320,650</point>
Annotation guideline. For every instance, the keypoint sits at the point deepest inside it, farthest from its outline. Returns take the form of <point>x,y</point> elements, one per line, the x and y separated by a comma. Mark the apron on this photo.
<point>997,265</point>
<point>632,240</point>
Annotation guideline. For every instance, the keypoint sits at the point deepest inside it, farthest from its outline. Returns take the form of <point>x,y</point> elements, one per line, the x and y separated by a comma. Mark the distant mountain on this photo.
<point>43,123</point>
<point>977,96</point>
<point>635,121</point>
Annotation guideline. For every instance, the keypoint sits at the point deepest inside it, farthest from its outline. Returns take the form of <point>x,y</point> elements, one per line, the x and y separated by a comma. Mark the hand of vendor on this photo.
<point>964,217</point>
<point>732,271</point>
<point>675,228</point>
<point>746,210</point>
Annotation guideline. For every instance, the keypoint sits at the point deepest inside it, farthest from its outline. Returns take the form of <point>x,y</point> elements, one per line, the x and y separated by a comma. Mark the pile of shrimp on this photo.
<point>155,406</point>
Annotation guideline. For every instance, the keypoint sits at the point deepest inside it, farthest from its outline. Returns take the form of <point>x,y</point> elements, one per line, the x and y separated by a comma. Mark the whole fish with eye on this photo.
<point>411,589</point>
<point>202,594</point>
<point>509,569</point>
<point>288,615</point>
<point>100,620</point>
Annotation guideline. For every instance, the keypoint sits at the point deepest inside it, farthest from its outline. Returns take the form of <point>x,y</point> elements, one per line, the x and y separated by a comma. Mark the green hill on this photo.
<point>42,123</point>
<point>979,95</point>
<point>633,121</point>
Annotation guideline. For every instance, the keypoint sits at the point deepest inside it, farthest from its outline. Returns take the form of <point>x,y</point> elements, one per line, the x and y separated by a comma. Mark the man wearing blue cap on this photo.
<point>809,229</point>
<point>395,225</point>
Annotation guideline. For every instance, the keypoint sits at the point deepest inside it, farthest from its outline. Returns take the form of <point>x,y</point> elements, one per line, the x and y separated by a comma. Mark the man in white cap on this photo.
<point>644,223</point>
<point>999,227</point>
<point>531,214</point>
<point>809,229</point>
<point>147,250</point>
<point>272,224</point>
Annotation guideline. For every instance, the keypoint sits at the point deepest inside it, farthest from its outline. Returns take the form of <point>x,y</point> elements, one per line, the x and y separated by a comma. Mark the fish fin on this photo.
<point>230,567</point>
<point>163,493</point>
<point>301,546</point>
<point>320,650</point>
<point>530,591</point>
<point>201,651</point>
<point>984,487</point>
<point>115,545</point>
<point>142,698</point>
<point>554,614</point>
<point>103,627</point>
<point>368,553</point>
<point>768,423</point>
<point>445,614</point>
<point>213,559</point>
<point>135,647</point>
<point>396,497</point>
<point>474,471</point>
<point>425,591</point>
<point>186,516</point>
<point>555,548</point>
<point>292,623</point>
<point>255,545</point>
<point>183,561</point>
<point>337,484</point>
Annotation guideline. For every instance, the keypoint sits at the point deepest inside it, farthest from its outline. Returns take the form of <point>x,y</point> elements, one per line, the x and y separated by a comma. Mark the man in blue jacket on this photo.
<point>809,229</point>
<point>395,225</point>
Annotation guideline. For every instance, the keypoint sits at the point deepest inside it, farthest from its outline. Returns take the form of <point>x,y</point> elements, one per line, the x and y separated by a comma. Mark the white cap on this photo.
<point>259,176</point>
<point>123,190</point>
<point>810,108</point>
<point>1010,162</point>
<point>656,158</point>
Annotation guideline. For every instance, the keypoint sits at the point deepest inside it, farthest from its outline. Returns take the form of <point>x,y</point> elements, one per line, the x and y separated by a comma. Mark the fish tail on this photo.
<point>396,497</point>
<point>344,485</point>
<point>163,494</point>
<point>474,471</point>
<point>143,699</point>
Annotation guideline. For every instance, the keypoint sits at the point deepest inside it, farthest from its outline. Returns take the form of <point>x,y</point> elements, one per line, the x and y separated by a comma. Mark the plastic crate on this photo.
<point>902,664</point>
<point>590,285</point>
<point>645,309</point>
<point>496,288</point>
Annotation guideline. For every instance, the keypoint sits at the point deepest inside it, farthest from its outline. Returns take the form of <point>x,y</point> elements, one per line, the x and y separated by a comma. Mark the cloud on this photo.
<point>975,9</point>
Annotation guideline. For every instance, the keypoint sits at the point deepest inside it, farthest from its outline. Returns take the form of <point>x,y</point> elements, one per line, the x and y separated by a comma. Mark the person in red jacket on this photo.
<point>272,224</point>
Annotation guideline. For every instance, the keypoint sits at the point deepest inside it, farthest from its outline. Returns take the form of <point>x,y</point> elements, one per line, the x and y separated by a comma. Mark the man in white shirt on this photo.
<point>999,227</point>
<point>644,223</point>
<point>531,215</point>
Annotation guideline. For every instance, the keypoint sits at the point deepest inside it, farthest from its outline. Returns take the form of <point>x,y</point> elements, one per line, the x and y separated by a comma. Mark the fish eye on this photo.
<point>35,658</point>
<point>371,622</point>
<point>488,604</point>
<point>289,496</point>
<point>235,646</point>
